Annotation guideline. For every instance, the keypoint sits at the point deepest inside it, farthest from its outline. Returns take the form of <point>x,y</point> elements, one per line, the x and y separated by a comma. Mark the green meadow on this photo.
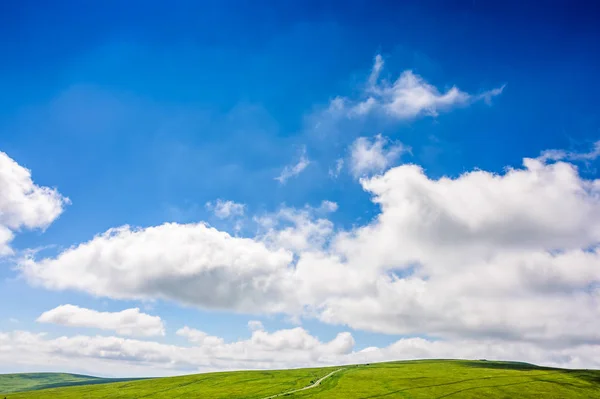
<point>410,379</point>
<point>33,381</point>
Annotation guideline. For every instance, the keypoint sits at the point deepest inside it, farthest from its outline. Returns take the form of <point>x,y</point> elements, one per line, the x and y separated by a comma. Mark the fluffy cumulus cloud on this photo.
<point>188,263</point>
<point>279,349</point>
<point>407,97</point>
<point>226,209</point>
<point>296,230</point>
<point>23,204</point>
<point>125,322</point>
<point>508,258</point>
<point>116,356</point>
<point>374,156</point>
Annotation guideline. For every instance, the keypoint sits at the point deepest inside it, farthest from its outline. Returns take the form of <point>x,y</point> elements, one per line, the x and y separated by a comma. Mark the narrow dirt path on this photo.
<point>316,383</point>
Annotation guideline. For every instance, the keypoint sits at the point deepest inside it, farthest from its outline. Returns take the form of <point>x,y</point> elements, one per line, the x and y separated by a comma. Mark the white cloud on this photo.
<point>297,229</point>
<point>199,337</point>
<point>509,258</point>
<point>477,256</point>
<point>374,156</point>
<point>125,322</point>
<point>254,325</point>
<point>299,339</point>
<point>557,155</point>
<point>226,209</point>
<point>377,68</point>
<point>23,204</point>
<point>189,263</point>
<point>487,96</point>
<point>419,348</point>
<point>328,206</point>
<point>335,171</point>
<point>279,349</point>
<point>408,97</point>
<point>295,169</point>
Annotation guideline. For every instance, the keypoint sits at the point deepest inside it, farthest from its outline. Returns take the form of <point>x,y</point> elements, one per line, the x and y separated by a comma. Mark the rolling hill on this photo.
<point>34,381</point>
<point>409,379</point>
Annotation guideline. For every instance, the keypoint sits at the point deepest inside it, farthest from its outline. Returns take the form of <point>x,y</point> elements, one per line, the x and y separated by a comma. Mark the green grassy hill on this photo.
<point>34,381</point>
<point>412,379</point>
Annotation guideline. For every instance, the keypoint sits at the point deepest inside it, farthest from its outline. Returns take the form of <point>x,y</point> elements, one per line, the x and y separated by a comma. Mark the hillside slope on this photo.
<point>243,384</point>
<point>458,379</point>
<point>35,381</point>
<point>411,379</point>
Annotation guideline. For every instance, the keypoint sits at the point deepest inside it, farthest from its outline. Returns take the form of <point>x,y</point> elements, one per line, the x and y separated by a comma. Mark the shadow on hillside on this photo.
<point>64,384</point>
<point>589,376</point>
<point>490,364</point>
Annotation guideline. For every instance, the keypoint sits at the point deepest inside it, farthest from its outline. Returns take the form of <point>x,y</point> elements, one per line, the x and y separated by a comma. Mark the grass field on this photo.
<point>244,384</point>
<point>457,379</point>
<point>412,379</point>
<point>30,381</point>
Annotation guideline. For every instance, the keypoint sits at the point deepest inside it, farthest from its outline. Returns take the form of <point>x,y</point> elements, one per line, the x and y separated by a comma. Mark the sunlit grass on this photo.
<point>412,379</point>
<point>29,381</point>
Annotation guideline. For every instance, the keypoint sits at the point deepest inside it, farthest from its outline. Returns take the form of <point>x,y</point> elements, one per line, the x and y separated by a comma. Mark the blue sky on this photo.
<point>142,113</point>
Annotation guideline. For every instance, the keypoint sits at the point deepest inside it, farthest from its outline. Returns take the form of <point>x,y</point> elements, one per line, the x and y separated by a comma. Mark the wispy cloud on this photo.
<point>408,97</point>
<point>226,209</point>
<point>337,169</point>
<point>376,70</point>
<point>558,155</point>
<point>295,169</point>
